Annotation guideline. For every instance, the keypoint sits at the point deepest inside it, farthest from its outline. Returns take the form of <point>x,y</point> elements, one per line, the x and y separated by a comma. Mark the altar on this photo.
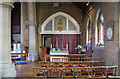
<point>59,56</point>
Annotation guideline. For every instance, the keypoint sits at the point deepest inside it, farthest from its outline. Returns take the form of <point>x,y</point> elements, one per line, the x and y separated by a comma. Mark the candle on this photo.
<point>62,45</point>
<point>51,45</point>
<point>67,46</point>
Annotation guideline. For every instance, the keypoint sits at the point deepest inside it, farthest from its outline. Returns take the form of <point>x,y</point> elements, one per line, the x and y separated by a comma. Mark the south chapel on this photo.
<point>60,39</point>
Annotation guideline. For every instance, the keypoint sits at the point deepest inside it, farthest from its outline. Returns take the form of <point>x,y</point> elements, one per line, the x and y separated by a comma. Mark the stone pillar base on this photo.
<point>7,70</point>
<point>33,56</point>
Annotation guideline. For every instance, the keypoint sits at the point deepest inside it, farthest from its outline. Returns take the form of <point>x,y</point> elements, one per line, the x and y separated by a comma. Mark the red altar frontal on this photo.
<point>62,40</point>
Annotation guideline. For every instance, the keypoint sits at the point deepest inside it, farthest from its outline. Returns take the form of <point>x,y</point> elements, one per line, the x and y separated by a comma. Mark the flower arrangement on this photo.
<point>79,48</point>
<point>99,44</point>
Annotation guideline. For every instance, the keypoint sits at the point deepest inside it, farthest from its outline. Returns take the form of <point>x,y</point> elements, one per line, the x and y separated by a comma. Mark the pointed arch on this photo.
<point>88,31</point>
<point>99,29</point>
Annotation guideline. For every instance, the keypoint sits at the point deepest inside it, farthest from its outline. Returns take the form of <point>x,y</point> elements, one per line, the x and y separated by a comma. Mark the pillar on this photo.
<point>119,40</point>
<point>23,24</point>
<point>33,55</point>
<point>7,69</point>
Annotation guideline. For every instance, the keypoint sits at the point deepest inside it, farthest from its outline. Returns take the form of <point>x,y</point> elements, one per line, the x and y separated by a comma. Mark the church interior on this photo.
<point>60,39</point>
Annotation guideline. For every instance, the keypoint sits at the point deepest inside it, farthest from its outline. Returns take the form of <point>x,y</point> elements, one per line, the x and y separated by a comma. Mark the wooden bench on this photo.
<point>43,64</point>
<point>110,70</point>
<point>40,72</point>
<point>82,71</point>
<point>98,71</point>
<point>67,72</point>
<point>54,72</point>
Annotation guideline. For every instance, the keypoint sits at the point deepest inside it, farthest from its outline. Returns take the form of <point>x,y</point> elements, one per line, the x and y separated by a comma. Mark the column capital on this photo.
<point>7,4</point>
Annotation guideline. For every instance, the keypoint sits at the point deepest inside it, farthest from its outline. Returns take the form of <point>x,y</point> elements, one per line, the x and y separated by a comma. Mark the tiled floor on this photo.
<point>25,70</point>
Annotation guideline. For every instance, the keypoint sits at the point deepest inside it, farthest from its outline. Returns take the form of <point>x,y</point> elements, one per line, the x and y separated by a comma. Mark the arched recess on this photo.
<point>88,31</point>
<point>99,28</point>
<point>69,23</point>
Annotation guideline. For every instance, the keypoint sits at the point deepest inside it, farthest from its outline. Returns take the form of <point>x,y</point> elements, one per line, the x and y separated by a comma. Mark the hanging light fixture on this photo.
<point>87,3</point>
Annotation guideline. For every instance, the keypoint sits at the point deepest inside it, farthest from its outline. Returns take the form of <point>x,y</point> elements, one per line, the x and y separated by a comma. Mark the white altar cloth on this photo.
<point>62,59</point>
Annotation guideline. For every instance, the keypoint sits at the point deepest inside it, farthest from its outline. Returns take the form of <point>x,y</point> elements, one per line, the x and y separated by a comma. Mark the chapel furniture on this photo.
<point>21,59</point>
<point>82,72</point>
<point>54,72</point>
<point>44,53</point>
<point>98,71</point>
<point>67,72</point>
<point>73,69</point>
<point>56,55</point>
<point>110,70</point>
<point>40,72</point>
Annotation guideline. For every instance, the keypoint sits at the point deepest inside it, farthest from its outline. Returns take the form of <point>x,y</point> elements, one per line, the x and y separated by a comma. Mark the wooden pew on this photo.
<point>98,71</point>
<point>54,64</point>
<point>43,64</point>
<point>110,70</point>
<point>67,64</point>
<point>82,72</point>
<point>72,64</point>
<point>67,72</point>
<point>54,72</point>
<point>40,72</point>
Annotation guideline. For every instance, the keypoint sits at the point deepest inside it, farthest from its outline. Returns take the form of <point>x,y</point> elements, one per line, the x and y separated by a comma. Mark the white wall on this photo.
<point>16,37</point>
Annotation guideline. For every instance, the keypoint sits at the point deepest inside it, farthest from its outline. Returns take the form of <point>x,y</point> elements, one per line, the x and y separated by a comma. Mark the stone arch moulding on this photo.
<point>43,31</point>
<point>98,14</point>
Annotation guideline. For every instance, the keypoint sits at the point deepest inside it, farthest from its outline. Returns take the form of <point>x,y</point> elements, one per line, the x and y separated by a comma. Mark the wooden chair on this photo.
<point>54,72</point>
<point>77,64</point>
<point>98,71</point>
<point>54,64</point>
<point>110,70</point>
<point>40,72</point>
<point>56,59</point>
<point>65,59</point>
<point>67,72</point>
<point>94,58</point>
<point>67,64</point>
<point>43,64</point>
<point>82,72</point>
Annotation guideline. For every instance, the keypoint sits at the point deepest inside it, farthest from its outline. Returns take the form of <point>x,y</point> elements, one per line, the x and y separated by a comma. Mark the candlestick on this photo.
<point>51,46</point>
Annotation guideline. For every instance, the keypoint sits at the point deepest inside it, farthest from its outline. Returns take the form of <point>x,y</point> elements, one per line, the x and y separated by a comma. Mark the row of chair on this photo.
<point>71,64</point>
<point>75,72</point>
<point>66,59</point>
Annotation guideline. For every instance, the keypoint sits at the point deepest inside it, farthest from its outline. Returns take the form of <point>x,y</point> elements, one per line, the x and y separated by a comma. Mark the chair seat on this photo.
<point>68,74</point>
<point>98,73</point>
<point>43,66</point>
<point>69,66</point>
<point>109,73</point>
<point>85,73</point>
<point>40,74</point>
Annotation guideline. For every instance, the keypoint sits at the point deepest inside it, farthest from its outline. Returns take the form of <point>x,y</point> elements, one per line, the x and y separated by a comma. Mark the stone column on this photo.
<point>119,40</point>
<point>23,23</point>
<point>7,69</point>
<point>33,55</point>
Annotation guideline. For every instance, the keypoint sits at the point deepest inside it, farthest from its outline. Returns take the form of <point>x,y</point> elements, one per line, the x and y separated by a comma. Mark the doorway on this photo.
<point>47,39</point>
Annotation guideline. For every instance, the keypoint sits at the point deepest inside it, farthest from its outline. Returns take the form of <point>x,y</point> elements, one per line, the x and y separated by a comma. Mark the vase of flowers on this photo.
<point>79,48</point>
<point>99,44</point>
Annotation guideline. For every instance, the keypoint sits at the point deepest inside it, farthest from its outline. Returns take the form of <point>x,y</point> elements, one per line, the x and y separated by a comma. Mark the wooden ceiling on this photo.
<point>83,5</point>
